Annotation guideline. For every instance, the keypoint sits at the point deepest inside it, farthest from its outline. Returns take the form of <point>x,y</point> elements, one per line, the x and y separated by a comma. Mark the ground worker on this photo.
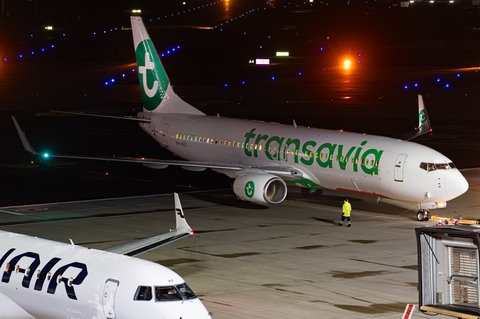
<point>346,209</point>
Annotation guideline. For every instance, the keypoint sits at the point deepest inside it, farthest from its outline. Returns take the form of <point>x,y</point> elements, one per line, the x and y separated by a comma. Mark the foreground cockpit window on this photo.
<point>143,293</point>
<point>172,293</point>
<point>186,291</point>
<point>430,167</point>
<point>167,293</point>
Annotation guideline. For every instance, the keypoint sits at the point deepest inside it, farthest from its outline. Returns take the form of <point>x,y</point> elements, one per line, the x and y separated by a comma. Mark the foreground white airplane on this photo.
<point>263,158</point>
<point>47,279</point>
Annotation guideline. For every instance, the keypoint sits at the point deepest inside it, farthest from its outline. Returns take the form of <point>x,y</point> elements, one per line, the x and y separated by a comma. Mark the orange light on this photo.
<point>347,64</point>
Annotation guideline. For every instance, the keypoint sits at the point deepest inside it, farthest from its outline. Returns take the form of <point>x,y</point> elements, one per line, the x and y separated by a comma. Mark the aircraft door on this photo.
<point>399,168</point>
<point>163,138</point>
<point>108,298</point>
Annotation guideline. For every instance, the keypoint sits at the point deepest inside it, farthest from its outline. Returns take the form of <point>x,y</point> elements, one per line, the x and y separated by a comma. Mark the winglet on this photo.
<point>138,247</point>
<point>181,223</point>
<point>23,138</point>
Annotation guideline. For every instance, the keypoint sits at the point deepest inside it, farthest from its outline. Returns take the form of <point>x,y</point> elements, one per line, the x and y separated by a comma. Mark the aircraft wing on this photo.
<point>130,118</point>
<point>141,246</point>
<point>283,171</point>
<point>423,123</point>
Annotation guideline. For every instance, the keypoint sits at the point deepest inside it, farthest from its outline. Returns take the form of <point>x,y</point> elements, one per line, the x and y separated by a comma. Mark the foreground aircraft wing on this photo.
<point>144,245</point>
<point>284,171</point>
<point>423,123</point>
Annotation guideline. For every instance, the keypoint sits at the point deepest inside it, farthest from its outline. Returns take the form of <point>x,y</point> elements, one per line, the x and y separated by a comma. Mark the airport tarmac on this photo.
<point>250,261</point>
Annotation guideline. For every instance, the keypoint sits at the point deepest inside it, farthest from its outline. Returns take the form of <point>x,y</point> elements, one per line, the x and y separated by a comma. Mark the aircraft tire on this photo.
<point>420,216</point>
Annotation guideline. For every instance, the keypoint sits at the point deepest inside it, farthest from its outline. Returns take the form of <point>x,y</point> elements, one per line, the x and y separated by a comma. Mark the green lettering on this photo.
<point>342,162</point>
<point>310,153</point>
<point>357,157</point>
<point>248,136</point>
<point>296,143</point>
<point>331,149</point>
<point>374,169</point>
<point>276,154</point>
<point>257,141</point>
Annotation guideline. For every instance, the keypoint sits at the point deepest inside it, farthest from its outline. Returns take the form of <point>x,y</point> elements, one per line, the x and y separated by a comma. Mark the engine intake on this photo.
<point>260,188</point>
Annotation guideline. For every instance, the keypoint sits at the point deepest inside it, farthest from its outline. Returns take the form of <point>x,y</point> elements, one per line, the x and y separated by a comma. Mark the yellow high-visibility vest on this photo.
<point>346,209</point>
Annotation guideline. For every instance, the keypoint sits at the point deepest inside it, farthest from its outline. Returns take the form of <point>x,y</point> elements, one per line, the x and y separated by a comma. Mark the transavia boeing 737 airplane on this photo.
<point>47,279</point>
<point>263,158</point>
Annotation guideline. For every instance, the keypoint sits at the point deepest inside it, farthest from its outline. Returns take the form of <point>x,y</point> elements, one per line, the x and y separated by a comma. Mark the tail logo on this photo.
<point>423,116</point>
<point>149,65</point>
<point>151,75</point>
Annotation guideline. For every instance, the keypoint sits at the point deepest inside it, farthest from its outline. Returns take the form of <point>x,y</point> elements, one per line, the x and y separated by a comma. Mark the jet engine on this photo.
<point>260,188</point>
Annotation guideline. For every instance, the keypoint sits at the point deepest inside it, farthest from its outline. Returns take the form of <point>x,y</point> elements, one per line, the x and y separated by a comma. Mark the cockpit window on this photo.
<point>143,293</point>
<point>186,291</point>
<point>429,167</point>
<point>168,293</point>
<point>173,293</point>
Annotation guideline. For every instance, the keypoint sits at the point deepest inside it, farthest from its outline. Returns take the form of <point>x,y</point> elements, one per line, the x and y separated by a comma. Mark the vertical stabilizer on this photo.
<point>423,119</point>
<point>157,93</point>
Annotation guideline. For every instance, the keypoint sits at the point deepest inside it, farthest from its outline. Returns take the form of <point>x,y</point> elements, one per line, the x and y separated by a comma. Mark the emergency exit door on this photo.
<point>399,168</point>
<point>108,298</point>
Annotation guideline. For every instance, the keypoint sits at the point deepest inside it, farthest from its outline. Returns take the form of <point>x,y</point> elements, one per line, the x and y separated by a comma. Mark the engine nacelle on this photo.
<point>260,188</point>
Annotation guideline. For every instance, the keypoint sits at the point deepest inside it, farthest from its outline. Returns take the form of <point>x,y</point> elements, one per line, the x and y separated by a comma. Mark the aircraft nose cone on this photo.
<point>456,184</point>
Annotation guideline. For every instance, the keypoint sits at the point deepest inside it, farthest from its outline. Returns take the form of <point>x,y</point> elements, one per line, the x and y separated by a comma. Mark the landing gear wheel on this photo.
<point>420,216</point>
<point>423,215</point>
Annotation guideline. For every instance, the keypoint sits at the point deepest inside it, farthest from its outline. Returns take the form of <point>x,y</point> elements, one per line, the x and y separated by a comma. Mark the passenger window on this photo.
<point>143,293</point>
<point>169,293</point>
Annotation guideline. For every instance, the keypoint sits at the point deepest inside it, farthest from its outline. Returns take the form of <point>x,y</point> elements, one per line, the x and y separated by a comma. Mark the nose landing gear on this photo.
<point>423,215</point>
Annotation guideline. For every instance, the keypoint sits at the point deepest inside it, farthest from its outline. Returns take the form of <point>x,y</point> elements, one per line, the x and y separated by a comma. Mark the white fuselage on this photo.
<point>367,164</point>
<point>47,279</point>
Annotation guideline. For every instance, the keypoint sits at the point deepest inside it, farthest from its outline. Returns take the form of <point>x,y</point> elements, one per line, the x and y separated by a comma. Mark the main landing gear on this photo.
<point>423,215</point>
